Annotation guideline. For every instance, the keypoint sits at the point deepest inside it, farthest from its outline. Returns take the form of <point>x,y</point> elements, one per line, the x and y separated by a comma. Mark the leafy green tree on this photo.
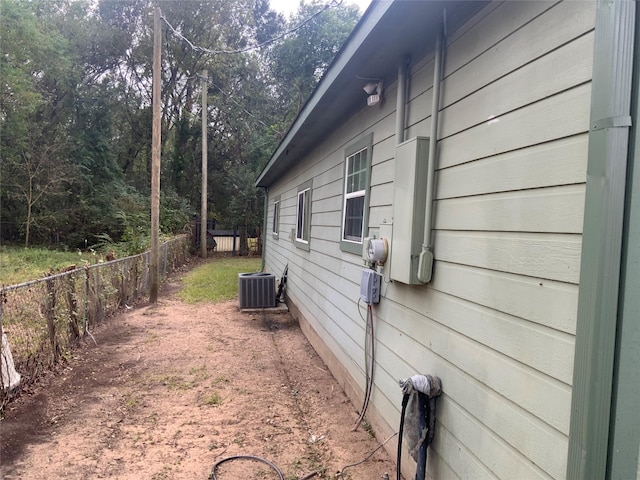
<point>298,62</point>
<point>75,109</point>
<point>35,70</point>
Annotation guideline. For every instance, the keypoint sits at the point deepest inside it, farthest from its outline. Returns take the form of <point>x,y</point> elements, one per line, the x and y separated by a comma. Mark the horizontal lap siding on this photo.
<point>497,323</point>
<point>520,211</point>
<point>553,256</point>
<point>562,115</point>
<point>559,162</point>
<point>324,282</point>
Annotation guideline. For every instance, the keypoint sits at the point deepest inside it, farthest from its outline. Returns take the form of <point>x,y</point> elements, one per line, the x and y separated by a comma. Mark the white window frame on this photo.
<point>364,145</point>
<point>276,217</point>
<point>302,227</point>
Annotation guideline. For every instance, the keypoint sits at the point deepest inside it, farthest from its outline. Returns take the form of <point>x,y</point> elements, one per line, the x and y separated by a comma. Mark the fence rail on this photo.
<point>44,319</point>
<point>240,240</point>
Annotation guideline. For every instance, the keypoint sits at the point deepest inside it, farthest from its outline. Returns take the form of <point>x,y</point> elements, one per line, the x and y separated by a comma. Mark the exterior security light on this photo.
<point>370,88</point>
<point>374,90</point>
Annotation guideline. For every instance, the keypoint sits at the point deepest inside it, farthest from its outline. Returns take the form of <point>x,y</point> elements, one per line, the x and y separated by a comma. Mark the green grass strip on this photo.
<point>19,264</point>
<point>217,280</point>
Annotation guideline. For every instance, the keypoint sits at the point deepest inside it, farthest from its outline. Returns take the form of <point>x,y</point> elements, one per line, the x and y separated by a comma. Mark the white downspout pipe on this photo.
<point>263,258</point>
<point>425,262</point>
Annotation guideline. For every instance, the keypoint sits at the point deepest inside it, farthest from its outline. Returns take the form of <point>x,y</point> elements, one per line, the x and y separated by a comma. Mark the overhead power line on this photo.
<point>331,4</point>
<point>230,97</point>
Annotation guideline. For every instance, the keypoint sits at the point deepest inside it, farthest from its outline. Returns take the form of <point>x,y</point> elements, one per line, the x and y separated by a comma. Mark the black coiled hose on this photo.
<point>212,475</point>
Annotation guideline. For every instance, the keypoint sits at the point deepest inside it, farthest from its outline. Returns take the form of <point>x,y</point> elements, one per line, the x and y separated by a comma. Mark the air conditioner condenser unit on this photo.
<point>257,290</point>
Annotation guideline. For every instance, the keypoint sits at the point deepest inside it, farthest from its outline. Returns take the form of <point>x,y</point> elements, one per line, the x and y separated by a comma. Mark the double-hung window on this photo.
<point>356,194</point>
<point>276,217</point>
<point>303,216</point>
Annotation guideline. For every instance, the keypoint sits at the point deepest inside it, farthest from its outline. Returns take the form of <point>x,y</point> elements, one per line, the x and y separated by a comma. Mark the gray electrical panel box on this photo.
<point>409,201</point>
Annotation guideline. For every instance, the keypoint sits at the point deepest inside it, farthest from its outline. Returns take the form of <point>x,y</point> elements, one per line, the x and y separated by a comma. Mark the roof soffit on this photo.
<point>388,33</point>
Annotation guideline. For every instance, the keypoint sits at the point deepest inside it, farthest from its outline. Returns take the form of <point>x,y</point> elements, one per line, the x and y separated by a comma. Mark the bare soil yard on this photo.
<point>172,388</point>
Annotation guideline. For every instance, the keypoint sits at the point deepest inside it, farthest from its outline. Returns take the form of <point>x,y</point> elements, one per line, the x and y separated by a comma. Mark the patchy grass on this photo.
<point>173,382</point>
<point>20,264</point>
<point>221,379</point>
<point>131,401</point>
<point>212,398</point>
<point>164,474</point>
<point>199,373</point>
<point>216,281</point>
<point>368,428</point>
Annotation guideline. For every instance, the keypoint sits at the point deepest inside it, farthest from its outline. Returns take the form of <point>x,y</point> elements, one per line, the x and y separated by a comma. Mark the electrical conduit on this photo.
<point>369,360</point>
<point>401,100</point>
<point>425,262</point>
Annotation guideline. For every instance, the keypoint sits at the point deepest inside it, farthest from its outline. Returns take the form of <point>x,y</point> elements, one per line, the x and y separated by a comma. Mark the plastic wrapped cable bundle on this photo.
<point>8,376</point>
<point>419,412</point>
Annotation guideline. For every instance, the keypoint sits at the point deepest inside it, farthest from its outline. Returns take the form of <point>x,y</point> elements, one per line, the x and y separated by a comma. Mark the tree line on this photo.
<point>75,110</point>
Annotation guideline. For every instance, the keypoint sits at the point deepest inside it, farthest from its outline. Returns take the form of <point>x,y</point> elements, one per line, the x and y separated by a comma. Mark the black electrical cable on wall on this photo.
<point>369,341</point>
<point>405,402</point>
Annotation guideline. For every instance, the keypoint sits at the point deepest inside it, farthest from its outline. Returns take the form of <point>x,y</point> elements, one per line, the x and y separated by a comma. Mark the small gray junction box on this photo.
<point>370,286</point>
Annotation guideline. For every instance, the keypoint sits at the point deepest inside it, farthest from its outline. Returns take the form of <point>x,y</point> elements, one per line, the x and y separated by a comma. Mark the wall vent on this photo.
<point>257,290</point>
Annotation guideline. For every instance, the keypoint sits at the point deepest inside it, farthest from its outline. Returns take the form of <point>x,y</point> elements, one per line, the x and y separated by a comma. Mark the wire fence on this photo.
<point>44,319</point>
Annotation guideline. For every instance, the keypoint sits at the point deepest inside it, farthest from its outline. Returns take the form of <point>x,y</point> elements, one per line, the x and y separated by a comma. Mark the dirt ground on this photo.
<point>170,389</point>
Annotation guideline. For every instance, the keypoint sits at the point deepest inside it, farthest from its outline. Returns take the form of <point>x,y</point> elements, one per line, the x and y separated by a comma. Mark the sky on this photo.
<point>289,6</point>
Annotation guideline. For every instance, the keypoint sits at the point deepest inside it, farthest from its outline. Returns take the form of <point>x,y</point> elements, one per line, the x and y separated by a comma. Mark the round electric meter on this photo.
<point>377,250</point>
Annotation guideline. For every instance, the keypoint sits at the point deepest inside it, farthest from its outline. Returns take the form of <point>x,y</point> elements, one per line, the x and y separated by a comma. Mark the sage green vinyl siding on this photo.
<point>497,324</point>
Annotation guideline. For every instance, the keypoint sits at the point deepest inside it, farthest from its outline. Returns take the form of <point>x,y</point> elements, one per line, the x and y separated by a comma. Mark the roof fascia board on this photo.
<point>358,37</point>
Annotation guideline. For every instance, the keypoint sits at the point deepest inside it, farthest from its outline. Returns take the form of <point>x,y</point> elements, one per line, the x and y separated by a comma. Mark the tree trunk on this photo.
<point>259,242</point>
<point>244,243</point>
<point>27,225</point>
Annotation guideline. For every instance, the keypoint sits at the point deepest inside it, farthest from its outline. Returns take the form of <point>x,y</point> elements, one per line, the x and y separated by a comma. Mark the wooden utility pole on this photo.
<point>203,207</point>
<point>155,159</point>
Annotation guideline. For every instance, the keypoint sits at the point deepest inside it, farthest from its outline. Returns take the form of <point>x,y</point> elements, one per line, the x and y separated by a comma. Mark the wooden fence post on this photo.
<point>88,316</point>
<point>74,331</point>
<point>98,288</point>
<point>50,315</point>
<point>235,235</point>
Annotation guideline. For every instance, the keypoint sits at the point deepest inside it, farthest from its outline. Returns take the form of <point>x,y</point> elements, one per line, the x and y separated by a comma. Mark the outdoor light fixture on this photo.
<point>374,90</point>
